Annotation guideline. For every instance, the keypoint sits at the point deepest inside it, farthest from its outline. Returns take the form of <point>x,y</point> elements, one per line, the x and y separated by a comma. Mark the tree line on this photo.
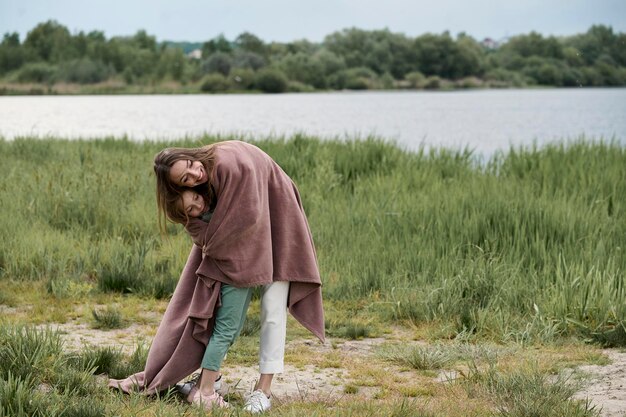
<point>349,59</point>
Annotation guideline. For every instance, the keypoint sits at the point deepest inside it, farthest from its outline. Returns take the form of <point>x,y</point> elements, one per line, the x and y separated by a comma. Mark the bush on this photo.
<point>415,79</point>
<point>359,78</point>
<point>271,81</point>
<point>432,83</point>
<point>572,77</point>
<point>338,80</point>
<point>248,60</point>
<point>109,318</point>
<point>214,83</point>
<point>591,77</point>
<point>298,87</point>
<point>84,71</point>
<point>241,78</point>
<point>609,73</point>
<point>500,77</point>
<point>548,74</point>
<point>218,62</point>
<point>469,82</point>
<point>301,67</point>
<point>38,72</point>
<point>387,81</point>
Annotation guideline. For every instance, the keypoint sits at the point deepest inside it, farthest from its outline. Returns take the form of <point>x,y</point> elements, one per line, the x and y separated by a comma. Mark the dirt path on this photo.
<point>309,382</point>
<point>605,385</point>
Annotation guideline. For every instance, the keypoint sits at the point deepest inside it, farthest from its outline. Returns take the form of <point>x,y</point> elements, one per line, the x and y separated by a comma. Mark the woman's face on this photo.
<point>188,173</point>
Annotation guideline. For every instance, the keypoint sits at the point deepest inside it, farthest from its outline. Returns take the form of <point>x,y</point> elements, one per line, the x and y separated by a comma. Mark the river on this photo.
<point>483,120</point>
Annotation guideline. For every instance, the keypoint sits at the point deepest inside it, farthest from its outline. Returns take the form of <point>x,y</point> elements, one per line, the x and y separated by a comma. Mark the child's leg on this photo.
<point>228,322</point>
<point>273,332</point>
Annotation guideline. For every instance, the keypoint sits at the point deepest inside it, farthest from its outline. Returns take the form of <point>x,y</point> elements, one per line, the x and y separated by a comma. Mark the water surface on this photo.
<point>483,120</point>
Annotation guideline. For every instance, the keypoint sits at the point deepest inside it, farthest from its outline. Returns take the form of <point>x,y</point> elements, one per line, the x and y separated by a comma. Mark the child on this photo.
<point>191,204</point>
<point>229,318</point>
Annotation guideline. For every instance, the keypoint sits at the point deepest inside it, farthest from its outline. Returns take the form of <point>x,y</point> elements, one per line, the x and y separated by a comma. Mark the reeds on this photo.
<point>527,246</point>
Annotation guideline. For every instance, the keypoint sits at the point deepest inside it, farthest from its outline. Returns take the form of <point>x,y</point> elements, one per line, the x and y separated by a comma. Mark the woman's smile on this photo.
<point>188,173</point>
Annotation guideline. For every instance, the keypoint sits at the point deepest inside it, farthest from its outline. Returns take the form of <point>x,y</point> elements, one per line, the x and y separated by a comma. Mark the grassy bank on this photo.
<point>524,250</point>
<point>527,246</point>
<point>112,87</point>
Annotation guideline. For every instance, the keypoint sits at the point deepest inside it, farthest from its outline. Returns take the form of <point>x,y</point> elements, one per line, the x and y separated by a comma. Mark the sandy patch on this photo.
<point>76,335</point>
<point>308,383</point>
<point>606,385</point>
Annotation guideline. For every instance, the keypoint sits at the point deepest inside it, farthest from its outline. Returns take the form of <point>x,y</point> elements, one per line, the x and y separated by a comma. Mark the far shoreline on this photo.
<point>108,89</point>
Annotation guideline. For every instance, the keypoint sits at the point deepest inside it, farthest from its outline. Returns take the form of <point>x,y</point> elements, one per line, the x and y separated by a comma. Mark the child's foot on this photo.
<point>185,388</point>
<point>208,401</point>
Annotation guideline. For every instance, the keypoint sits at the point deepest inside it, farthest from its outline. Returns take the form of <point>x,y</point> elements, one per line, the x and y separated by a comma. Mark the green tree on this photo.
<point>598,40</point>
<point>214,83</point>
<point>141,62</point>
<point>328,61</point>
<point>171,62</point>
<point>618,51</point>
<point>544,71</point>
<point>380,50</point>
<point>12,55</point>
<point>440,55</point>
<point>83,71</point>
<point>469,58</point>
<point>572,57</point>
<point>302,67</point>
<point>217,44</point>
<point>534,44</point>
<point>301,45</point>
<point>145,41</point>
<point>37,72</point>
<point>271,80</point>
<point>250,43</point>
<point>217,62</point>
<point>349,44</point>
<point>241,78</point>
<point>246,59</point>
<point>50,42</point>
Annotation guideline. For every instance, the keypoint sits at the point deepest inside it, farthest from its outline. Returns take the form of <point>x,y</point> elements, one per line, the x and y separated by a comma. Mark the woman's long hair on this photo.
<point>167,193</point>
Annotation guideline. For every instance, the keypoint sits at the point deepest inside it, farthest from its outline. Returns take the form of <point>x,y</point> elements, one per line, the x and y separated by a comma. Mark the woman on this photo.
<point>258,235</point>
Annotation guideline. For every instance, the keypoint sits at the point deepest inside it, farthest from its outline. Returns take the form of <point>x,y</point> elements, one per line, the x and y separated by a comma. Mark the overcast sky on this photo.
<point>287,20</point>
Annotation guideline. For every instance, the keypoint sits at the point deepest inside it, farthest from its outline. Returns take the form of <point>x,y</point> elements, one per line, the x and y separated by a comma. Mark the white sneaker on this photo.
<point>257,402</point>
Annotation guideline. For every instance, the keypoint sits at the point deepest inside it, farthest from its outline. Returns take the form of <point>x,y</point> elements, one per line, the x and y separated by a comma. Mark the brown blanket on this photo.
<point>258,234</point>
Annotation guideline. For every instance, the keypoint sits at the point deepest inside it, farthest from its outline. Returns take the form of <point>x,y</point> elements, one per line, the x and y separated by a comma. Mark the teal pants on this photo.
<point>228,323</point>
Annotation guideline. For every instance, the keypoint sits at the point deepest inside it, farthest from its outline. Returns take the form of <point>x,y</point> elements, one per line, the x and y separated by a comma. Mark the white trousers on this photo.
<point>273,327</point>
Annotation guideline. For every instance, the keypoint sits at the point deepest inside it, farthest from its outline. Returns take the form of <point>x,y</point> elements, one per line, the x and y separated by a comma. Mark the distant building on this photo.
<point>489,43</point>
<point>195,54</point>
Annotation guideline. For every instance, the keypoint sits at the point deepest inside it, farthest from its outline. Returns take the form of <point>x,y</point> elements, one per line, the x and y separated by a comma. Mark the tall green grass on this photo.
<point>528,392</point>
<point>37,379</point>
<point>526,246</point>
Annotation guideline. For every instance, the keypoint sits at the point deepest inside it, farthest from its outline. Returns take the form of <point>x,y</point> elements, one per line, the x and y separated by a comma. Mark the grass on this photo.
<point>38,378</point>
<point>528,392</point>
<point>109,318</point>
<point>522,250</point>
